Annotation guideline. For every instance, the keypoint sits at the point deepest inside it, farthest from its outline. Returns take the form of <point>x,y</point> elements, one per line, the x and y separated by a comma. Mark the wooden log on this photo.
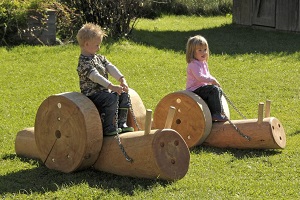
<point>138,111</point>
<point>161,154</point>
<point>269,134</point>
<point>192,119</point>
<point>68,132</point>
<point>25,145</point>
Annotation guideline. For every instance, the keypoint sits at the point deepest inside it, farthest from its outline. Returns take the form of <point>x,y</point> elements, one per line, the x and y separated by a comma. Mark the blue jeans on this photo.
<point>211,94</point>
<point>107,104</point>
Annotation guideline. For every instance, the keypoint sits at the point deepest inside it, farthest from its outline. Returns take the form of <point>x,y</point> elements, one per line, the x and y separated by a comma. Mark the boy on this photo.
<point>93,70</point>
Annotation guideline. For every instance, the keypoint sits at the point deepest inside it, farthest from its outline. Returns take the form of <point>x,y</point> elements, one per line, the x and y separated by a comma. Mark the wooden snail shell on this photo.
<point>68,132</point>
<point>192,118</point>
<point>139,111</point>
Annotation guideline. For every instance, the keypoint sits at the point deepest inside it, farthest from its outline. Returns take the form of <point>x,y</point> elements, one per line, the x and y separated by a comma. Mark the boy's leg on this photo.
<point>124,105</point>
<point>106,104</point>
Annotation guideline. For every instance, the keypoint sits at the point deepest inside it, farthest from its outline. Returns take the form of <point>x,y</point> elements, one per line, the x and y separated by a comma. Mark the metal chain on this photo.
<point>235,108</point>
<point>234,126</point>
<point>118,137</point>
<point>238,130</point>
<point>132,113</point>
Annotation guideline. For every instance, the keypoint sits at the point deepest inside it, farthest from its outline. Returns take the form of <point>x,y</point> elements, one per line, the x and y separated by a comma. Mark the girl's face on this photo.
<point>201,52</point>
<point>92,46</point>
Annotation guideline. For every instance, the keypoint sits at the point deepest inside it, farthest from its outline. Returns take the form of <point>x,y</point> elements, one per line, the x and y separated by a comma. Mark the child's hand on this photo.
<point>116,88</point>
<point>124,84</point>
<point>215,82</point>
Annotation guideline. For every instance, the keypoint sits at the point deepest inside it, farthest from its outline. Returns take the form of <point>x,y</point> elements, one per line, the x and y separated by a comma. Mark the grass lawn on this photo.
<point>252,66</point>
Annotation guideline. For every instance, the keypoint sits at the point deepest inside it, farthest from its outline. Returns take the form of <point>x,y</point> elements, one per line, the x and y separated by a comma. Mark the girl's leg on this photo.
<point>212,94</point>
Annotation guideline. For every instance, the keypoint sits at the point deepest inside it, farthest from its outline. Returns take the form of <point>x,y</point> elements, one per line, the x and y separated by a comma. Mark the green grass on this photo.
<point>252,66</point>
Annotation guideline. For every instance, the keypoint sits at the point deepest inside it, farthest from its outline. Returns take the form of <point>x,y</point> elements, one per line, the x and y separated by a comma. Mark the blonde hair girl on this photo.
<point>199,80</point>
<point>192,44</point>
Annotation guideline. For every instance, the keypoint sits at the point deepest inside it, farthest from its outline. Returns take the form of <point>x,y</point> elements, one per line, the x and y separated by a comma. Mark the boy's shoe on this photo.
<point>112,132</point>
<point>122,119</point>
<point>127,129</point>
<point>219,118</point>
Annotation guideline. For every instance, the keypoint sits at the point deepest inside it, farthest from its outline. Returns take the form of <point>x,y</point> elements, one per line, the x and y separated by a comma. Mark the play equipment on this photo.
<point>25,144</point>
<point>68,137</point>
<point>68,132</point>
<point>192,119</point>
<point>263,133</point>
<point>193,122</point>
<point>151,154</point>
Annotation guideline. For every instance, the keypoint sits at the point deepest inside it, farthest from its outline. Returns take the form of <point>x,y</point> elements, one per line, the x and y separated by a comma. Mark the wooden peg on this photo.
<point>268,108</point>
<point>148,121</point>
<point>260,113</point>
<point>170,117</point>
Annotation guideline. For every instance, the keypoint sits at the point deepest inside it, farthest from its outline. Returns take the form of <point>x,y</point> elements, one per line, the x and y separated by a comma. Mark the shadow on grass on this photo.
<point>227,39</point>
<point>42,180</point>
<point>238,153</point>
<point>295,133</point>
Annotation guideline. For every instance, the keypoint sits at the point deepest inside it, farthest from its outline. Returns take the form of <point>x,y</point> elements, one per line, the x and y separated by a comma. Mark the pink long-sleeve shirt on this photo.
<point>198,75</point>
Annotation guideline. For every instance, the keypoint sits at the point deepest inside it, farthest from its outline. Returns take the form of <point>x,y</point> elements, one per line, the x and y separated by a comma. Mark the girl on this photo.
<point>199,79</point>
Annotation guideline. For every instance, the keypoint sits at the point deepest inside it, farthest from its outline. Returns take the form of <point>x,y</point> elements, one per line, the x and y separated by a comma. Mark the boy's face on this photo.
<point>92,46</point>
<point>201,53</point>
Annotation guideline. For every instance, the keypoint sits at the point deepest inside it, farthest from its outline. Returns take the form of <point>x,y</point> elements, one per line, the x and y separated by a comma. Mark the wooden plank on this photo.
<point>264,13</point>
<point>287,15</point>
<point>293,15</point>
<point>282,15</point>
<point>242,12</point>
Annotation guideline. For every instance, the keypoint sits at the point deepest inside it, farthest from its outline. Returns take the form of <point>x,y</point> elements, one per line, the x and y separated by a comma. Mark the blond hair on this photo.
<point>88,32</point>
<point>192,44</point>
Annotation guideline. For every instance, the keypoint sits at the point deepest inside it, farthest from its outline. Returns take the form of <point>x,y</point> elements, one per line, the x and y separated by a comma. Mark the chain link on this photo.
<point>235,108</point>
<point>118,137</point>
<point>234,126</point>
<point>132,113</point>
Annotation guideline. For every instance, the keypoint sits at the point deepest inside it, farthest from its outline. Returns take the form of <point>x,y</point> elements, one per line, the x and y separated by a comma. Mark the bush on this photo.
<point>156,8</point>
<point>13,16</point>
<point>117,17</point>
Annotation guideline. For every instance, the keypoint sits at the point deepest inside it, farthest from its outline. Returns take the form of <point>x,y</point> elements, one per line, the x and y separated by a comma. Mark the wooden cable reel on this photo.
<point>68,132</point>
<point>139,111</point>
<point>192,118</point>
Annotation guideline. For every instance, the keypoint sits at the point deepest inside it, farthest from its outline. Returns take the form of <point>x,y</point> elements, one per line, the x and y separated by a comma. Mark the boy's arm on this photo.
<point>98,78</point>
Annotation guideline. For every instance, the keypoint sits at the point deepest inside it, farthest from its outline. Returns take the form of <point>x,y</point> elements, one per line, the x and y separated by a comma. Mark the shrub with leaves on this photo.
<point>117,17</point>
<point>12,20</point>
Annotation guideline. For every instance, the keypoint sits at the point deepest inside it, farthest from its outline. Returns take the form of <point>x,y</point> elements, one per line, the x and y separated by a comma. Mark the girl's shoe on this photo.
<point>219,118</point>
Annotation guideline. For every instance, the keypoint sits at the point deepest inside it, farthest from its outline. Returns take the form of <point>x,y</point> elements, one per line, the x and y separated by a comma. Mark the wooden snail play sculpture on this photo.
<point>67,136</point>
<point>193,121</point>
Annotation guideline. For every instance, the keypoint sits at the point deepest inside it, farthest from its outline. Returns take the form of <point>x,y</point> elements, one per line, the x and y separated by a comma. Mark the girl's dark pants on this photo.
<point>211,94</point>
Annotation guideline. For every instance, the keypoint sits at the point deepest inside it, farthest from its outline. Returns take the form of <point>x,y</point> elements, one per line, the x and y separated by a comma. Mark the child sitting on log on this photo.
<point>199,79</point>
<point>112,101</point>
